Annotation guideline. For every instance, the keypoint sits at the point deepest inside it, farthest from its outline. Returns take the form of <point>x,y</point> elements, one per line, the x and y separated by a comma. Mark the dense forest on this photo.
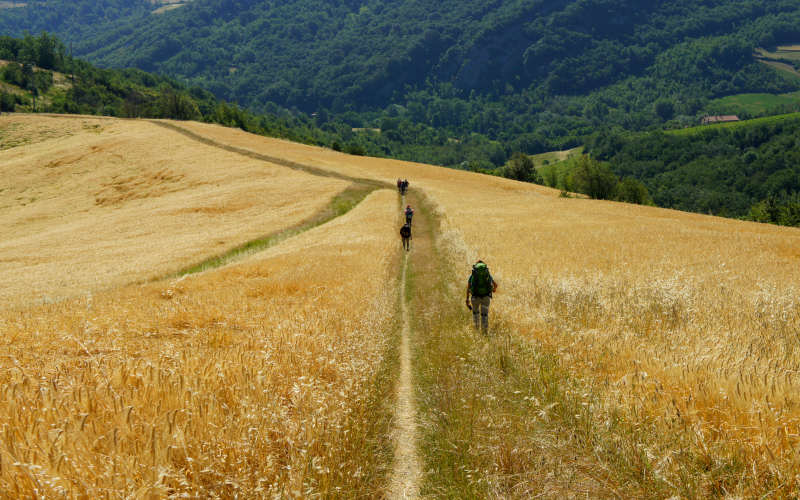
<point>532,75</point>
<point>749,169</point>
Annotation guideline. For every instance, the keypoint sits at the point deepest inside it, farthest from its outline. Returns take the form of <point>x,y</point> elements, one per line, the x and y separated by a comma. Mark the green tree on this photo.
<point>594,178</point>
<point>665,109</point>
<point>520,167</point>
<point>631,190</point>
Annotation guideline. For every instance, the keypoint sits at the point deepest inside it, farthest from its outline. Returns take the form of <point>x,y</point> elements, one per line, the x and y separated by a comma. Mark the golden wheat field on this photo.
<point>91,203</point>
<point>680,317</point>
<point>246,380</point>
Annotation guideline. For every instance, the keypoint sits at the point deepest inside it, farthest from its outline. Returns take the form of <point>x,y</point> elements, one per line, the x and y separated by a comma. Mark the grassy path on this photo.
<point>499,418</point>
<point>407,469</point>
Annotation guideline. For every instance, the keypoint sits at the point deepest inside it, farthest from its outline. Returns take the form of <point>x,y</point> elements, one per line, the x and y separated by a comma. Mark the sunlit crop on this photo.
<point>683,321</point>
<point>244,381</point>
<point>253,379</point>
<point>92,203</point>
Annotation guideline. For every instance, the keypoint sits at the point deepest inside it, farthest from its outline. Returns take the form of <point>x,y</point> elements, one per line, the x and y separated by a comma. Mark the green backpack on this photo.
<point>481,280</point>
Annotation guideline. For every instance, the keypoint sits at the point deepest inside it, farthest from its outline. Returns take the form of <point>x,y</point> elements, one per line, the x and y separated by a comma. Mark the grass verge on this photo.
<point>340,205</point>
<point>370,427</point>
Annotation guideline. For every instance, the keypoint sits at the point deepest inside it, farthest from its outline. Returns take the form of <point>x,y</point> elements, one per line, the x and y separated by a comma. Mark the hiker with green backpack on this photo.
<point>480,287</point>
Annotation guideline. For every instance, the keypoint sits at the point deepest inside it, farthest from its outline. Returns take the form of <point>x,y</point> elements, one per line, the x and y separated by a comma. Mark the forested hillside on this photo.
<point>465,84</point>
<point>37,74</point>
<point>536,75</point>
<point>71,20</point>
<point>748,169</point>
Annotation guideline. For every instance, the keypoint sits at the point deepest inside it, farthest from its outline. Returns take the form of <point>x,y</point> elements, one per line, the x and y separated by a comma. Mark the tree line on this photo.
<point>748,171</point>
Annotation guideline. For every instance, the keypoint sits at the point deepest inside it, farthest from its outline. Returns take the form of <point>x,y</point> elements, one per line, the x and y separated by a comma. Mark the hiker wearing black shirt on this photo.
<point>405,233</point>
<point>409,214</point>
<point>480,287</point>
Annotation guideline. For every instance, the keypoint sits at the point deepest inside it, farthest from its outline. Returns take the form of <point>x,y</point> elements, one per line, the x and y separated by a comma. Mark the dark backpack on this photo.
<point>481,283</point>
<point>405,231</point>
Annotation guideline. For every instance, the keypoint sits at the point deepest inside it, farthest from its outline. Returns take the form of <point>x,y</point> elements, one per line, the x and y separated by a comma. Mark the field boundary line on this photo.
<point>362,187</point>
<point>321,217</point>
<point>269,159</point>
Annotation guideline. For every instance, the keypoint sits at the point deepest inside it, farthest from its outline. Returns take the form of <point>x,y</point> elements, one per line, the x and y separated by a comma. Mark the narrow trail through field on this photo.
<point>407,469</point>
<point>270,159</point>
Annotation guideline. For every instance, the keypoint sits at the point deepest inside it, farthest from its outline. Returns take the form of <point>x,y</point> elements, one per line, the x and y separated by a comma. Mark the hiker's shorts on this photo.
<point>480,311</point>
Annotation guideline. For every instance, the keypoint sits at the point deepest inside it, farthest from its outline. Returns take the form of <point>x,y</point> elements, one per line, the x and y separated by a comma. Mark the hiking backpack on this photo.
<point>481,282</point>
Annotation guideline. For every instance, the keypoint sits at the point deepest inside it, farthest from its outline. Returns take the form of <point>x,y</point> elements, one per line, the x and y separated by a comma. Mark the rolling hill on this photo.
<point>620,334</point>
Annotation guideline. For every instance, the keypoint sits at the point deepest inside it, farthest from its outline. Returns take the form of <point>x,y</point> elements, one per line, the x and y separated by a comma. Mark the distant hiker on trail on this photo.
<point>405,233</point>
<point>480,287</point>
<point>409,214</point>
<point>405,185</point>
<point>400,185</point>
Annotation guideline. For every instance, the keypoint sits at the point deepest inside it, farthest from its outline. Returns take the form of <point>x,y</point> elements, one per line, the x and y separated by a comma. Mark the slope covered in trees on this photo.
<point>539,74</point>
<point>749,169</point>
<point>37,74</point>
<point>72,20</point>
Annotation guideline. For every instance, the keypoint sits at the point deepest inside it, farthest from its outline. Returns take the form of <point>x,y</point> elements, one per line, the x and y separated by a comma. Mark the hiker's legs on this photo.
<point>480,311</point>
<point>406,244</point>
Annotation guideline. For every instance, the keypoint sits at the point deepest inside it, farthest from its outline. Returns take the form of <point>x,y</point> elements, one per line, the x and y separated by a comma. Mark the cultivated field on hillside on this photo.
<point>686,321</point>
<point>90,203</point>
<point>754,104</point>
<point>555,156</point>
<point>785,52</point>
<point>681,326</point>
<point>248,381</point>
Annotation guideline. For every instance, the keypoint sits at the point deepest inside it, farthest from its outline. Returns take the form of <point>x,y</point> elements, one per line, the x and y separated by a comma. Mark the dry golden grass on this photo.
<point>92,203</point>
<point>686,323</point>
<point>689,322</point>
<point>244,381</point>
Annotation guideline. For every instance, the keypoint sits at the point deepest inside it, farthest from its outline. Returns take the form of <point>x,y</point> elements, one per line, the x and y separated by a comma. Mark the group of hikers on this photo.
<point>402,186</point>
<point>480,284</point>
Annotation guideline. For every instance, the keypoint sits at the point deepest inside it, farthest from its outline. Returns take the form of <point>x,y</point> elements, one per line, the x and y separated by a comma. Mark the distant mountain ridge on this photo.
<point>366,53</point>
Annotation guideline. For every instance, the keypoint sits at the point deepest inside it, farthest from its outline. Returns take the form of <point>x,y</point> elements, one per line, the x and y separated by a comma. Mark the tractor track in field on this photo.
<point>359,189</point>
<point>270,159</point>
